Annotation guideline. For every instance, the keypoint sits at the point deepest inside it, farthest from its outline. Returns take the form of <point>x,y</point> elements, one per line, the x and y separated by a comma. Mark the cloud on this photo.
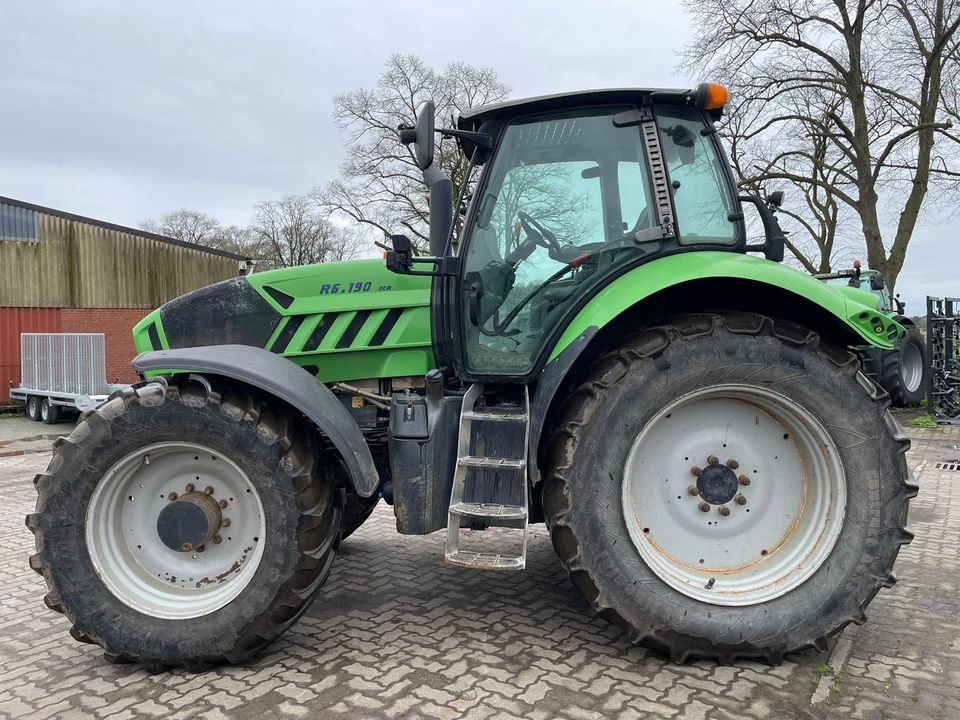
<point>124,111</point>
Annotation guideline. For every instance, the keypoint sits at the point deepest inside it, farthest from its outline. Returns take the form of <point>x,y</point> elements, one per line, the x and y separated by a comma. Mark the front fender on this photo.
<point>850,306</point>
<point>283,379</point>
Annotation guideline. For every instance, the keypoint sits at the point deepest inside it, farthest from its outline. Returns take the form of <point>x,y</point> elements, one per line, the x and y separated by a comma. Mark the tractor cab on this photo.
<point>573,191</point>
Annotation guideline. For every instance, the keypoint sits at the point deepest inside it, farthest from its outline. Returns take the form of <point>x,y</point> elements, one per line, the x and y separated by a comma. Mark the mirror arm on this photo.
<point>773,245</point>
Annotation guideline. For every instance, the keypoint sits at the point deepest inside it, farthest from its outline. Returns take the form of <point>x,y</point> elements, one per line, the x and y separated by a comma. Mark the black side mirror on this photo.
<point>400,259</point>
<point>421,136</point>
<point>775,199</point>
<point>876,282</point>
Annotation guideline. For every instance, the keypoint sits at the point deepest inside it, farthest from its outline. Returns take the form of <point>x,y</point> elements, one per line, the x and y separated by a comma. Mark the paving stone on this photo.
<point>396,634</point>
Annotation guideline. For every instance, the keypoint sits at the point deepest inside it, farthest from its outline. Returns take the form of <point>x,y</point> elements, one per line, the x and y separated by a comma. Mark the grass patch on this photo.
<point>835,686</point>
<point>924,421</point>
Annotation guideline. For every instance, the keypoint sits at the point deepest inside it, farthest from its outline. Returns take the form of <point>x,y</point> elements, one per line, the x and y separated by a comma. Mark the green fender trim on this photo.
<point>856,308</point>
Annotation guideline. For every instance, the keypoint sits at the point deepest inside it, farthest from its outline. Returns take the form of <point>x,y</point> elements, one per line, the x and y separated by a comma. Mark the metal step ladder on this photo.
<point>513,469</point>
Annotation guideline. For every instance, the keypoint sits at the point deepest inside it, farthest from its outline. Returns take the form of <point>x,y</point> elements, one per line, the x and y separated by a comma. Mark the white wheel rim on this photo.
<point>794,499</point>
<point>44,411</point>
<point>911,367</point>
<point>127,551</point>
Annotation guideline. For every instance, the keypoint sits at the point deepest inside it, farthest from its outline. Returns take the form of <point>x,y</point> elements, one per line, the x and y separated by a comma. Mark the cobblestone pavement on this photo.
<point>396,634</point>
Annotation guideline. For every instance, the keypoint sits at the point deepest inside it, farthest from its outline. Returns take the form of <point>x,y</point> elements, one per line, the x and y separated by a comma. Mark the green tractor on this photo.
<point>595,349</point>
<point>902,371</point>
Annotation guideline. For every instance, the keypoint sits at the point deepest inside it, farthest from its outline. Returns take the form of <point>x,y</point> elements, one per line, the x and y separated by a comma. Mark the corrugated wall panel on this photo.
<point>82,264</point>
<point>14,321</point>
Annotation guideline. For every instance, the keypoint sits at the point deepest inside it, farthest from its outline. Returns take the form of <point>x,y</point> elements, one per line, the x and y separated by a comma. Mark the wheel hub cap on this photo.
<point>175,530</point>
<point>717,484</point>
<point>739,531</point>
<point>189,521</point>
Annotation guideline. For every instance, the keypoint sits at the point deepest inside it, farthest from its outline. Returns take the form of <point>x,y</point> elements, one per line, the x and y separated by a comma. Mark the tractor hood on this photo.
<point>340,321</point>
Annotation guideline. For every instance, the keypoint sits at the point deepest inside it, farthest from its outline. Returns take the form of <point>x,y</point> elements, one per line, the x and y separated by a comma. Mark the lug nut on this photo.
<point>201,548</point>
<point>704,507</point>
<point>208,489</point>
<point>186,547</point>
<point>172,496</point>
<point>732,464</point>
<point>713,460</point>
<point>222,503</point>
<point>723,510</point>
<point>217,539</point>
<point>740,499</point>
<point>743,480</point>
<point>225,522</point>
<point>692,489</point>
<point>189,488</point>
<point>696,471</point>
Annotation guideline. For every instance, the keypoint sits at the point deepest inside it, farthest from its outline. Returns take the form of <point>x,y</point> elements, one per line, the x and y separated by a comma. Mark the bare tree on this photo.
<point>186,225</point>
<point>293,231</point>
<point>853,98</point>
<point>380,184</point>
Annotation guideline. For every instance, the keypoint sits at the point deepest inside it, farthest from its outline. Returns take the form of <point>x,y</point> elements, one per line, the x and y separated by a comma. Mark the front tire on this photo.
<point>773,540</point>
<point>182,524</point>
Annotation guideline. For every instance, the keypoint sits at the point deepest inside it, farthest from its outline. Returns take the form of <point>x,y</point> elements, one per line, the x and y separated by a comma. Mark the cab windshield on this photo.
<point>566,201</point>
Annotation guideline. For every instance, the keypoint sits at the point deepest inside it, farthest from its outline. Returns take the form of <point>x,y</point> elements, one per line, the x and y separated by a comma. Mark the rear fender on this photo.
<point>702,282</point>
<point>288,382</point>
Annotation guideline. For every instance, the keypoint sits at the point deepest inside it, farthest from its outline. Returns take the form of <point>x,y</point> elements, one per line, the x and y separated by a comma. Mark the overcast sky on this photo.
<point>124,110</point>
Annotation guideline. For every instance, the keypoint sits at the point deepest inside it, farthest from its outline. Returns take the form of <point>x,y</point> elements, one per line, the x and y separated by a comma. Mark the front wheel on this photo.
<point>728,486</point>
<point>183,524</point>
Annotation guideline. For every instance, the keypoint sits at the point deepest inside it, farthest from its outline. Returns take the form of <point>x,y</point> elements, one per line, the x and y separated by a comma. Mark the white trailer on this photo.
<point>61,373</point>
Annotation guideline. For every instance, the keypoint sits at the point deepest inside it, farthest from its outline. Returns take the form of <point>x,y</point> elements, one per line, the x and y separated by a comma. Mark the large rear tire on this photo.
<point>183,525</point>
<point>728,486</point>
<point>903,370</point>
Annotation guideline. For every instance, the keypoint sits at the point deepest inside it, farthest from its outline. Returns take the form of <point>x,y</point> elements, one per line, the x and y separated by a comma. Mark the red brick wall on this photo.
<point>116,325</point>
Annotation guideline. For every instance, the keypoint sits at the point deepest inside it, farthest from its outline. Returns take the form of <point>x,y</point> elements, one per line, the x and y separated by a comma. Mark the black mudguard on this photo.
<point>283,379</point>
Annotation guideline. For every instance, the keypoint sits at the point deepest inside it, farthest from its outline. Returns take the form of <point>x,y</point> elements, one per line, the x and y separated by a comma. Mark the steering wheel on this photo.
<point>543,237</point>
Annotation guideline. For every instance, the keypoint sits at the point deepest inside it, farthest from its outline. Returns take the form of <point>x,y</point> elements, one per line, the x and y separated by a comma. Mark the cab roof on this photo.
<point>547,103</point>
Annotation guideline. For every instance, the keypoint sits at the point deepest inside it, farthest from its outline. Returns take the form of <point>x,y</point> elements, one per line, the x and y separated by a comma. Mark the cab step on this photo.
<point>489,510</point>
<point>509,480</point>
<point>486,561</point>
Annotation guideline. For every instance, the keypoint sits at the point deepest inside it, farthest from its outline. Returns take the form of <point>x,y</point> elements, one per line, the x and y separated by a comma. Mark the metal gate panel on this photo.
<point>63,362</point>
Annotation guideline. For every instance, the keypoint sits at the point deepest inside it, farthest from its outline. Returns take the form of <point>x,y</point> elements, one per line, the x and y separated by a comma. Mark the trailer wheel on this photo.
<point>728,486</point>
<point>50,414</point>
<point>182,525</point>
<point>903,370</point>
<point>33,407</point>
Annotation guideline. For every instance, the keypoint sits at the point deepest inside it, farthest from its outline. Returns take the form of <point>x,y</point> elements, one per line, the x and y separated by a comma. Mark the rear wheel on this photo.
<point>184,525</point>
<point>903,370</point>
<point>728,487</point>
<point>33,407</point>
